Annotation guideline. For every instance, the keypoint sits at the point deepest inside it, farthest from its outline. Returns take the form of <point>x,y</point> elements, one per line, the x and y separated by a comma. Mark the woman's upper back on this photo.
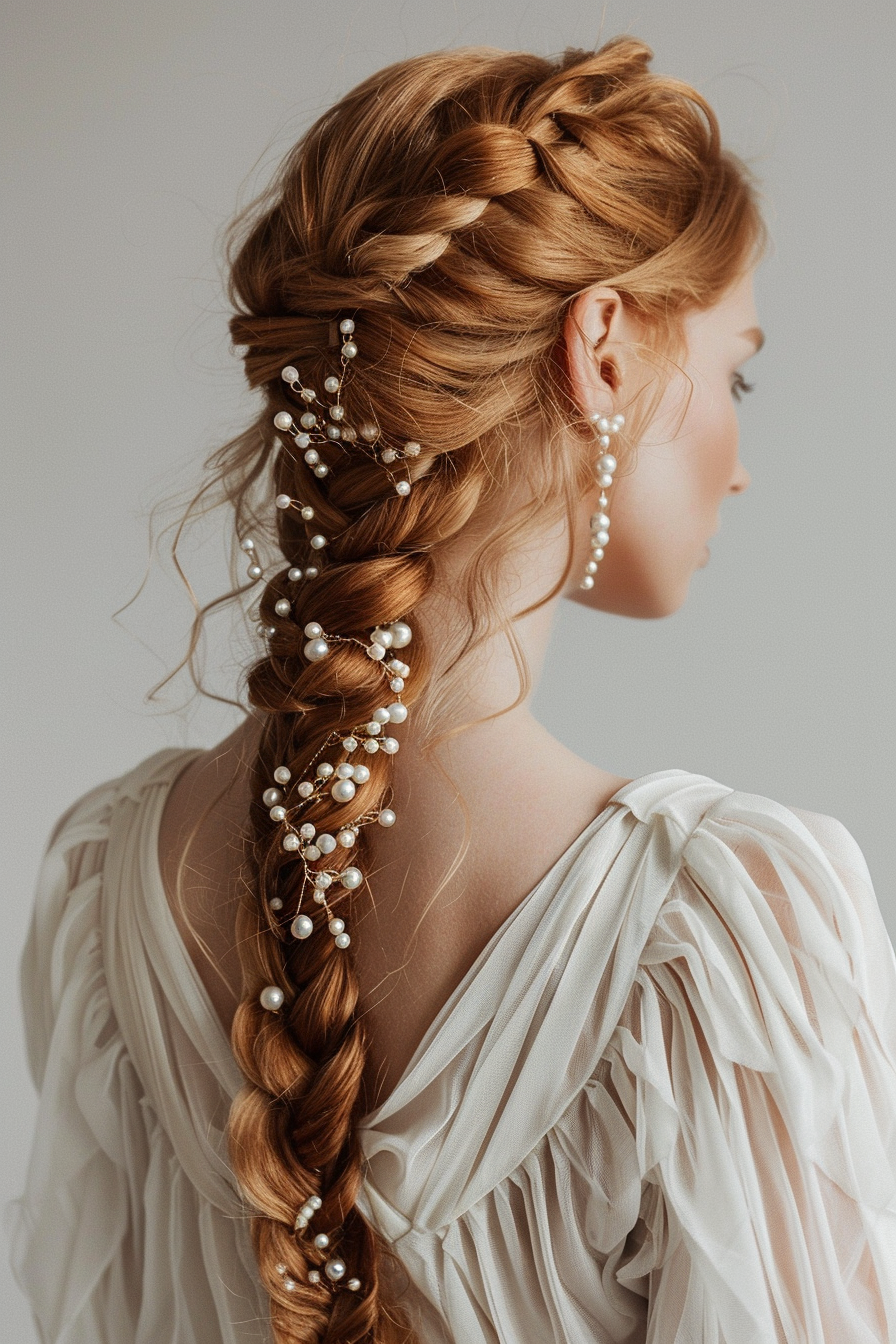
<point>700,976</point>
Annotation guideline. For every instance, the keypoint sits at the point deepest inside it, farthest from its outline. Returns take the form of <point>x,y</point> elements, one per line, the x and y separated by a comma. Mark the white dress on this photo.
<point>660,1107</point>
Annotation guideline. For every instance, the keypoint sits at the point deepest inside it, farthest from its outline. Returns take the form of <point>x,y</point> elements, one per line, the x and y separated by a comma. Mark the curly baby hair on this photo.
<point>452,206</point>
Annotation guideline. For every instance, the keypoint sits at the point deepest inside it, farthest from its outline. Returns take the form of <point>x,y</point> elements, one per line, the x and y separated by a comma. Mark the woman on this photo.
<point>470,1041</point>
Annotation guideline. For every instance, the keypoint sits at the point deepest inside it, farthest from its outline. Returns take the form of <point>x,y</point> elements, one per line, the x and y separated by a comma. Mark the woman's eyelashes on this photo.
<point>740,385</point>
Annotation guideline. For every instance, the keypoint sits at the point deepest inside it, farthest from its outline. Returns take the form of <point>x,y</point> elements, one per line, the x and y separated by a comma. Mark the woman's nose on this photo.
<point>740,480</point>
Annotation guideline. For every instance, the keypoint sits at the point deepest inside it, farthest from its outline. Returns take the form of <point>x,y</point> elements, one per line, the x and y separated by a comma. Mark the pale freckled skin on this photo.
<point>665,509</point>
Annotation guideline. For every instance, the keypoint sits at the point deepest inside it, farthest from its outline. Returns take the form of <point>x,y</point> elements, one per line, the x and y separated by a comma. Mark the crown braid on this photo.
<point>454,204</point>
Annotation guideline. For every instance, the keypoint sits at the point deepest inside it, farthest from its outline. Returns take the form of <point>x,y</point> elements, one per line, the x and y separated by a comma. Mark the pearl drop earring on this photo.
<point>604,467</point>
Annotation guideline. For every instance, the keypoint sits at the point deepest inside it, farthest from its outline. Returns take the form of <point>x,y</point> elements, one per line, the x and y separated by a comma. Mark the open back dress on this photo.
<point>659,1108</point>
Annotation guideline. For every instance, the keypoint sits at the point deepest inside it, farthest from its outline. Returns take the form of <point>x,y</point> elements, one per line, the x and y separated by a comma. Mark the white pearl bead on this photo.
<point>403,488</point>
<point>388,455</point>
<point>291,841</point>
<point>376,652</point>
<point>402,634</point>
<point>317,542</point>
<point>345,771</point>
<point>382,637</point>
<point>283,501</point>
<point>604,440</point>
<point>312,853</point>
<point>305,789</point>
<point>353,1285</point>
<point>308,420</point>
<point>618,421</point>
<point>307,513</point>
<point>283,606</point>
<point>346,326</point>
<point>321,1241</point>
<point>398,667</point>
<point>289,374</point>
<point>343,791</point>
<point>316,649</point>
<point>320,897</point>
<point>326,843</point>
<point>283,420</point>
<point>336,926</point>
<point>307,1210</point>
<point>346,838</point>
<point>302,927</point>
<point>331,384</point>
<point>587,582</point>
<point>255,571</point>
<point>371,745</point>
<point>591,567</point>
<point>387,817</point>
<point>360,774</point>
<point>315,1201</point>
<point>412,448</point>
<point>307,830</point>
<point>302,440</point>
<point>369,432</point>
<point>321,470</point>
<point>397,712</point>
<point>269,631</point>
<point>308,394</point>
<point>603,425</point>
<point>313,630</point>
<point>351,878</point>
<point>324,770</point>
<point>281,1269</point>
<point>323,880</point>
<point>597,552</point>
<point>342,940</point>
<point>277,813</point>
<point>271,796</point>
<point>337,412</point>
<point>349,434</point>
<point>247,544</point>
<point>380,716</point>
<point>283,774</point>
<point>295,575</point>
<point>374,728</point>
<point>350,744</point>
<point>600,520</point>
<point>607,463</point>
<point>271,998</point>
<point>602,537</point>
<point>290,1285</point>
<point>334,432</point>
<point>390,745</point>
<point>275,903</point>
<point>334,1269</point>
<point>311,571</point>
<point>396,684</point>
<point>349,350</point>
<point>605,480</point>
<point>314,1276</point>
<point>312,456</point>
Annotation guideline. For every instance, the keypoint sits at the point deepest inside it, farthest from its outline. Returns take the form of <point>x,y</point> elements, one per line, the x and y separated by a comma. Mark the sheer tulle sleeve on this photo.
<point>756,1064</point>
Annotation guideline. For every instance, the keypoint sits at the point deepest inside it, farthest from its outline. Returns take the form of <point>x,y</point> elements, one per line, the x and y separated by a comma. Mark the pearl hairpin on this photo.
<point>328,426</point>
<point>605,468</point>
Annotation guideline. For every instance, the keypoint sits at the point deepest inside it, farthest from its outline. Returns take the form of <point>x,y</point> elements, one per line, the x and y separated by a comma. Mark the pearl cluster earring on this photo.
<point>340,780</point>
<point>333,1266</point>
<point>326,425</point>
<point>605,468</point>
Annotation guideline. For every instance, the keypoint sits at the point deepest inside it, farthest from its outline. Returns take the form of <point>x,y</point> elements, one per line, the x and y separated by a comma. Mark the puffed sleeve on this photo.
<point>756,1063</point>
<point>76,1232</point>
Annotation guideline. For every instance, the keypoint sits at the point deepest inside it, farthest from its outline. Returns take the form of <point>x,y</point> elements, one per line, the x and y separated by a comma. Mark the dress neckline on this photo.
<point>159,901</point>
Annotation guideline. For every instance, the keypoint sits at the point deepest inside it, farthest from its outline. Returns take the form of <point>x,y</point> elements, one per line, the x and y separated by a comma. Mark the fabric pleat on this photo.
<point>660,1108</point>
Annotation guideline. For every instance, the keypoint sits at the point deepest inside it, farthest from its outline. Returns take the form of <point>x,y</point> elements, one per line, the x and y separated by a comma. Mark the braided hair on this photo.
<point>453,205</point>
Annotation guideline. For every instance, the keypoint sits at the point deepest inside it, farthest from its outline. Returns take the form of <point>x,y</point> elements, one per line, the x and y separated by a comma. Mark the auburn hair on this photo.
<point>453,205</point>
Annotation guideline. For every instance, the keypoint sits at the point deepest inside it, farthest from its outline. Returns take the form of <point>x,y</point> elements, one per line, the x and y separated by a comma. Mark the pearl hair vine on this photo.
<point>332,1269</point>
<point>339,780</point>
<point>327,425</point>
<point>605,468</point>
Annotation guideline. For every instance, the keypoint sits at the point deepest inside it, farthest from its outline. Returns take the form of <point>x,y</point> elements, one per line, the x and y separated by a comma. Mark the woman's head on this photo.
<point>521,242</point>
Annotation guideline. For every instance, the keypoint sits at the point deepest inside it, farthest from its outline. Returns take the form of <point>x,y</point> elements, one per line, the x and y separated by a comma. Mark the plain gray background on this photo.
<point>131,134</point>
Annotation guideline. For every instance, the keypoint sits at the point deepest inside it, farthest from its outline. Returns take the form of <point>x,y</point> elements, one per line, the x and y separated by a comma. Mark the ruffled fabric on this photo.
<point>661,1106</point>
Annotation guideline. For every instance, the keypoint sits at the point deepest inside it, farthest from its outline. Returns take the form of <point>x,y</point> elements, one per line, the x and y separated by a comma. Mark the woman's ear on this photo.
<point>596,329</point>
